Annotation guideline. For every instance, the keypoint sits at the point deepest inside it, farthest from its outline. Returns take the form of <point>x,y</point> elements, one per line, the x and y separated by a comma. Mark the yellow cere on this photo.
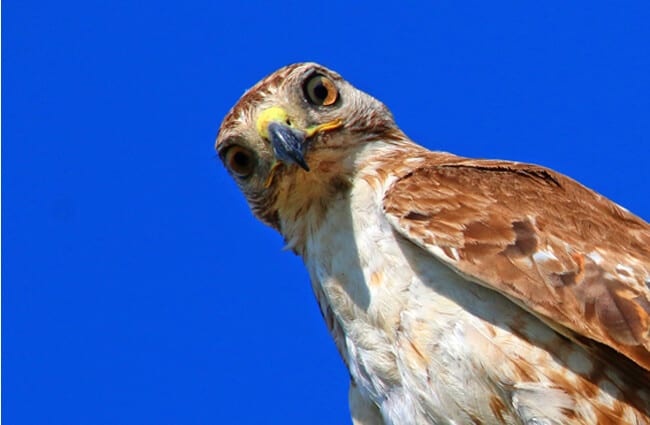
<point>277,114</point>
<point>272,114</point>
<point>324,127</point>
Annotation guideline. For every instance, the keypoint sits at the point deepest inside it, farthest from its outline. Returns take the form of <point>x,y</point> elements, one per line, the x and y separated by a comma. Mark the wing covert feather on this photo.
<point>558,249</point>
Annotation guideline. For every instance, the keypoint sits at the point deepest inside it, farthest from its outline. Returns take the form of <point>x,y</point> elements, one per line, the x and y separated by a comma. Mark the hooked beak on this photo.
<point>288,143</point>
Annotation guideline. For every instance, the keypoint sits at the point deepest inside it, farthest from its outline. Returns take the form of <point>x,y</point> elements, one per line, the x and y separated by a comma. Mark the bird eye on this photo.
<point>240,161</point>
<point>320,90</point>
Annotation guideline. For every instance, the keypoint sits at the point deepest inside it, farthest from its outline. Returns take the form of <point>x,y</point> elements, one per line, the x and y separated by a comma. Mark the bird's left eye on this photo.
<point>320,90</point>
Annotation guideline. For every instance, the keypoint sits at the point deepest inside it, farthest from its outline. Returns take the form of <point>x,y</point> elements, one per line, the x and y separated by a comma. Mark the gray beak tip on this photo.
<point>288,144</point>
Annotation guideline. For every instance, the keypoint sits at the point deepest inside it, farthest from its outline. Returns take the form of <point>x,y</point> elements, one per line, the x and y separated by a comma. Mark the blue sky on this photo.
<point>137,288</point>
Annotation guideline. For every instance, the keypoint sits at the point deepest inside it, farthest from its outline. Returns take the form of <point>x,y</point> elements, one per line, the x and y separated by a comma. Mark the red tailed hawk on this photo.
<point>458,291</point>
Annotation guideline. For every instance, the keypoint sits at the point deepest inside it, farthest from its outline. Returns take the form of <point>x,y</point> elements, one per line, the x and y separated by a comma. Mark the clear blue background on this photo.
<point>136,286</point>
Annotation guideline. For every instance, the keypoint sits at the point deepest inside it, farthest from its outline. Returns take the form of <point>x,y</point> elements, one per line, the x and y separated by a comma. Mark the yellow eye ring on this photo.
<point>240,161</point>
<point>320,90</point>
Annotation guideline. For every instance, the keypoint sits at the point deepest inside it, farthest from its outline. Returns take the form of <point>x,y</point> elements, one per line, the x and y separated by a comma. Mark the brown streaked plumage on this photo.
<point>542,239</point>
<point>456,290</point>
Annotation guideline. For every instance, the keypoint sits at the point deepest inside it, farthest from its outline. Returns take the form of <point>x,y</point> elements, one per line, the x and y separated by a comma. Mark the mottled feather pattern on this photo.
<point>541,238</point>
<point>457,291</point>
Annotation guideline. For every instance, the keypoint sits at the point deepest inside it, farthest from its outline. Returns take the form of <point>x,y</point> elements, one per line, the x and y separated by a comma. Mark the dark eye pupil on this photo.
<point>320,92</point>
<point>241,160</point>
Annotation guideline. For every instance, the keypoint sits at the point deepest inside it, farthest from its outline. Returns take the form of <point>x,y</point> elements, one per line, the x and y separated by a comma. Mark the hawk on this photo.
<point>457,291</point>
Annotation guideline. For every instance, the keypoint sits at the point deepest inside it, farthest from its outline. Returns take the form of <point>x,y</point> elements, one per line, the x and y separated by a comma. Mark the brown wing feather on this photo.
<point>560,250</point>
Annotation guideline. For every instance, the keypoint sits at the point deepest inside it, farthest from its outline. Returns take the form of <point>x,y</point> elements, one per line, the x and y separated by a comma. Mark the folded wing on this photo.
<point>570,256</point>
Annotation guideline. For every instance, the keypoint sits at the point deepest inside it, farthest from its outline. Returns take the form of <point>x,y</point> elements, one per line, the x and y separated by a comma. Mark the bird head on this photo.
<point>295,135</point>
